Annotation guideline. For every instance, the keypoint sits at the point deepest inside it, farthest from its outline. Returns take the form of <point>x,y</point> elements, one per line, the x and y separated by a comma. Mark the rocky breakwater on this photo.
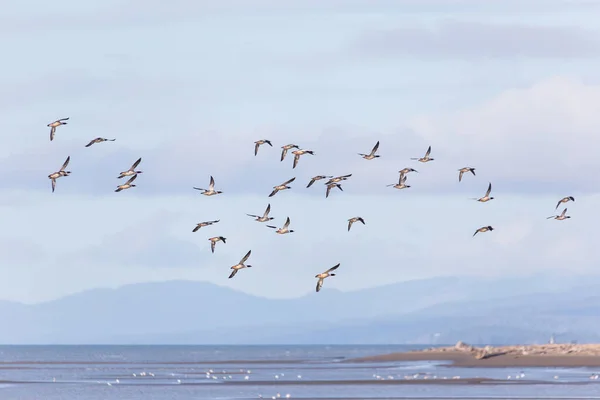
<point>482,353</point>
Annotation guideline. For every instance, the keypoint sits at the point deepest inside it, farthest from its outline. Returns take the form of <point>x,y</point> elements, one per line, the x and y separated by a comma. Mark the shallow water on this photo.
<point>248,372</point>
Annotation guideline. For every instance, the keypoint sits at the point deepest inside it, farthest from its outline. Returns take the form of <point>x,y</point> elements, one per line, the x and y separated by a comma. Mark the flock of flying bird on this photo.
<point>332,182</point>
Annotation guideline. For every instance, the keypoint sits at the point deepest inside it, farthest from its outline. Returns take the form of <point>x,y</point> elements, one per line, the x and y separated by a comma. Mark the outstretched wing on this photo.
<point>332,268</point>
<point>288,182</point>
<point>296,158</point>
<point>65,164</point>
<point>375,148</point>
<point>233,273</point>
<point>256,146</point>
<point>319,284</point>
<point>135,164</point>
<point>131,179</point>
<point>243,260</point>
<point>287,223</point>
<point>489,190</point>
<point>428,152</point>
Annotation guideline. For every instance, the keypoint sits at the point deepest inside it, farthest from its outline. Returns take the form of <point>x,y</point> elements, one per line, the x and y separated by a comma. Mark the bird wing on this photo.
<point>211,186</point>
<point>361,220</point>
<point>428,152</point>
<point>350,225</point>
<point>296,158</point>
<point>460,174</point>
<point>233,273</point>
<point>489,190</point>
<point>135,164</point>
<point>290,181</point>
<point>319,284</point>
<point>53,185</point>
<point>283,153</point>
<point>90,143</point>
<point>327,192</point>
<point>268,210</point>
<point>332,268</point>
<point>52,130</point>
<point>212,246</point>
<point>375,148</point>
<point>256,146</point>
<point>558,204</point>
<point>243,260</point>
<point>131,179</point>
<point>274,192</point>
<point>313,180</point>
<point>65,164</point>
<point>287,223</point>
<point>563,213</point>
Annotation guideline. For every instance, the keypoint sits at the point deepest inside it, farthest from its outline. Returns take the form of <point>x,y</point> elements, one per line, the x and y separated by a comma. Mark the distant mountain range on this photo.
<point>440,310</point>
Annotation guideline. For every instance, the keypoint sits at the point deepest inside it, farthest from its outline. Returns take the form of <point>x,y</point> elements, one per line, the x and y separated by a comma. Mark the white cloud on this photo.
<point>543,135</point>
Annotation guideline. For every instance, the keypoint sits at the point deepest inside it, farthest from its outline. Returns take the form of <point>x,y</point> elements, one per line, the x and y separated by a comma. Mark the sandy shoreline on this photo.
<point>463,355</point>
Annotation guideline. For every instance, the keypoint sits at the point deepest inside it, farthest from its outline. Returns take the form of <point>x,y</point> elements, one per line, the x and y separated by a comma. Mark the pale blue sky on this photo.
<point>510,88</point>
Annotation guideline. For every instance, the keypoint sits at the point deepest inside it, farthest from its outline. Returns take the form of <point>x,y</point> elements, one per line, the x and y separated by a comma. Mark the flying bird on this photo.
<point>61,172</point>
<point>214,240</point>
<point>401,183</point>
<point>426,158</point>
<point>54,125</point>
<point>283,186</point>
<point>286,148</point>
<point>283,230</point>
<point>258,143</point>
<point>211,188</point>
<point>564,200</point>
<point>265,217</point>
<point>297,155</point>
<point>483,229</point>
<point>203,224</point>
<point>131,171</point>
<point>317,178</point>
<point>562,216</point>
<point>463,170</point>
<point>353,220</point>
<point>332,185</point>
<point>338,179</point>
<point>406,170</point>
<point>487,197</point>
<point>371,155</point>
<point>324,275</point>
<point>127,184</point>
<point>99,140</point>
<point>240,265</point>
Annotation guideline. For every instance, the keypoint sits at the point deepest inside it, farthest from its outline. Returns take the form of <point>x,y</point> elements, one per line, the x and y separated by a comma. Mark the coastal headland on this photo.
<point>464,355</point>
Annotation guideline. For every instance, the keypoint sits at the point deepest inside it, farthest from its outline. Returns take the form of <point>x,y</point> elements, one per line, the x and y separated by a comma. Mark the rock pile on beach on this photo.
<point>520,350</point>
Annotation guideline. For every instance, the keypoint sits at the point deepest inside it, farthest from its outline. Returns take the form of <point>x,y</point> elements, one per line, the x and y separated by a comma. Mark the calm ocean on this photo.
<point>252,372</point>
